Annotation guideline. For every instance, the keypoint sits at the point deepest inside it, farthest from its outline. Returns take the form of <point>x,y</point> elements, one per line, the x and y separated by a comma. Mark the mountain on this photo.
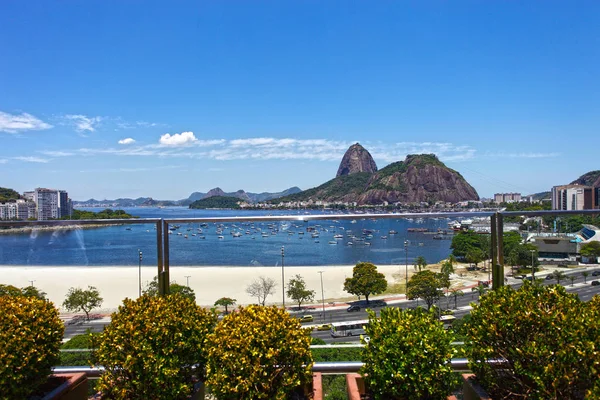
<point>540,196</point>
<point>591,178</point>
<point>246,196</point>
<point>356,159</point>
<point>419,178</point>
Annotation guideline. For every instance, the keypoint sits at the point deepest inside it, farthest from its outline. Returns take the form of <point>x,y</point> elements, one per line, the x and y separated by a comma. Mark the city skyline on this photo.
<point>165,100</point>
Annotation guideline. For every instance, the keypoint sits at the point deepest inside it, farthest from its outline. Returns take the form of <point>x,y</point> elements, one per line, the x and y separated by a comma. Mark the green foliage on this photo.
<point>7,195</point>
<point>83,341</point>
<point>548,337</point>
<point>217,202</point>
<point>447,268</point>
<point>30,336</point>
<point>104,214</point>
<point>365,281</point>
<point>258,353</point>
<point>150,347</point>
<point>420,263</point>
<point>334,353</point>
<point>334,387</point>
<point>558,275</point>
<point>298,292</point>
<point>87,340</point>
<point>174,288</point>
<point>78,299</point>
<point>225,302</point>
<point>425,285</point>
<point>467,241</point>
<point>590,249</point>
<point>408,355</point>
<point>29,291</point>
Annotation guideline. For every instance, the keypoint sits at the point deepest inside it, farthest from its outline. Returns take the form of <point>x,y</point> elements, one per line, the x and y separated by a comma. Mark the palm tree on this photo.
<point>572,279</point>
<point>585,274</point>
<point>456,293</point>
<point>558,275</point>
<point>421,263</point>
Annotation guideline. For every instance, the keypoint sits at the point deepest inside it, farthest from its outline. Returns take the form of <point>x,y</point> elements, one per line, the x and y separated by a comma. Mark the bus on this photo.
<point>348,328</point>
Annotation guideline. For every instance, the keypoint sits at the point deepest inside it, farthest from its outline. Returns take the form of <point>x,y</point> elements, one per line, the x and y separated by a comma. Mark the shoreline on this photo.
<point>27,229</point>
<point>209,283</point>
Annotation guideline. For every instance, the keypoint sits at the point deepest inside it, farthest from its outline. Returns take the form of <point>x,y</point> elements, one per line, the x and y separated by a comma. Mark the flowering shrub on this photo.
<point>547,342</point>
<point>151,346</point>
<point>30,339</point>
<point>258,353</point>
<point>408,355</point>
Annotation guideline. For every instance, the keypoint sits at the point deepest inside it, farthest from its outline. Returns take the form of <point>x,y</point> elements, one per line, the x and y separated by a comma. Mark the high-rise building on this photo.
<point>573,197</point>
<point>507,198</point>
<point>19,209</point>
<point>52,203</point>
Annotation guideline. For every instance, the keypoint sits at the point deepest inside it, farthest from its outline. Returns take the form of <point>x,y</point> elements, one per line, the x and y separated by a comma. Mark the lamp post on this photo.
<point>187,279</point>
<point>283,275</point>
<point>140,273</point>
<point>406,266</point>
<point>322,295</point>
<point>532,267</point>
<point>31,283</point>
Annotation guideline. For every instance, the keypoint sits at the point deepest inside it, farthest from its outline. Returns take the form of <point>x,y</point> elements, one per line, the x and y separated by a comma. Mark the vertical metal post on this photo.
<point>140,273</point>
<point>187,279</point>
<point>494,251</point>
<point>159,252</point>
<point>532,267</point>
<point>322,295</point>
<point>500,247</point>
<point>164,282</point>
<point>406,267</point>
<point>282,275</point>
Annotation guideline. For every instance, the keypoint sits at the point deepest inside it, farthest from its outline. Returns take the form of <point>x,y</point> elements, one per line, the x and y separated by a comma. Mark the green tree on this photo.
<point>572,279</point>
<point>174,287</point>
<point>420,263</point>
<point>78,299</point>
<point>585,274</point>
<point>447,268</point>
<point>365,281</point>
<point>32,291</point>
<point>455,293</point>
<point>590,249</point>
<point>425,285</point>
<point>9,290</point>
<point>558,275</point>
<point>225,302</point>
<point>475,256</point>
<point>298,292</point>
<point>464,242</point>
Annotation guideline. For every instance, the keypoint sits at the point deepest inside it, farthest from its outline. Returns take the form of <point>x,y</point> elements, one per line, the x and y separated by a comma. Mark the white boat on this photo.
<point>332,242</point>
<point>338,236</point>
<point>349,243</point>
<point>220,237</point>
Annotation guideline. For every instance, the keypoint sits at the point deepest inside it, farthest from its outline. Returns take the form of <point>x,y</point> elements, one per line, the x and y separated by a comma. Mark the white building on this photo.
<point>572,197</point>
<point>52,203</point>
<point>20,209</point>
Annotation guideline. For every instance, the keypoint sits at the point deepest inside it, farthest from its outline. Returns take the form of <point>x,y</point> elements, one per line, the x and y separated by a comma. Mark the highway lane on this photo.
<point>585,292</point>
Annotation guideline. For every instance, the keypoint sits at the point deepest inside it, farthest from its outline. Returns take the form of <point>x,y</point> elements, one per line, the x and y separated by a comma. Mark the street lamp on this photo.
<point>532,267</point>
<point>140,273</point>
<point>283,275</point>
<point>31,283</point>
<point>322,295</point>
<point>187,279</point>
<point>406,266</point>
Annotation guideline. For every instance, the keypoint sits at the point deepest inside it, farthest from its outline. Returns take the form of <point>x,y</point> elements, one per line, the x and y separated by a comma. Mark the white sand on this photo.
<point>208,283</point>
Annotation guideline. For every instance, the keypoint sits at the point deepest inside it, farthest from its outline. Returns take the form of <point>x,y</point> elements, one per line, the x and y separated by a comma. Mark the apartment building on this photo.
<point>51,203</point>
<point>20,209</point>
<point>574,197</point>
<point>507,198</point>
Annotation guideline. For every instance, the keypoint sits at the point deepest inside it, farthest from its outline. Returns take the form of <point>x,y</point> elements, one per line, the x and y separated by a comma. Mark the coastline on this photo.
<point>29,229</point>
<point>209,283</point>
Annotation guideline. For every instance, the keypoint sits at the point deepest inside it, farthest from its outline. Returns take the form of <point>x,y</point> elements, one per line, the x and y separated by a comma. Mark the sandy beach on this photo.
<point>208,283</point>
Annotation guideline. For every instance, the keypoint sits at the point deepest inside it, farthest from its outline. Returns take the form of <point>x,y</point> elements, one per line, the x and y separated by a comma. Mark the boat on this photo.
<point>392,232</point>
<point>332,242</point>
<point>384,237</point>
<point>349,243</point>
<point>220,237</point>
<point>338,236</point>
<point>127,229</point>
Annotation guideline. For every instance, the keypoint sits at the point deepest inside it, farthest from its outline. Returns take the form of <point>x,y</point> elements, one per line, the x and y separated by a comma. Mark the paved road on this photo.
<point>585,291</point>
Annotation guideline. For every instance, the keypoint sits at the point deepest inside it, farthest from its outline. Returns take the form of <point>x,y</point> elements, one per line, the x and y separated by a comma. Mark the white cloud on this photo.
<point>127,141</point>
<point>53,153</point>
<point>31,159</point>
<point>83,123</point>
<point>522,155</point>
<point>3,161</point>
<point>178,139</point>
<point>15,123</point>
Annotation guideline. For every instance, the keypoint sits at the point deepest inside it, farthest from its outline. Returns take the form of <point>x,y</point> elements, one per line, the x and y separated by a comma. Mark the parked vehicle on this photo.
<point>353,308</point>
<point>307,318</point>
<point>596,273</point>
<point>595,283</point>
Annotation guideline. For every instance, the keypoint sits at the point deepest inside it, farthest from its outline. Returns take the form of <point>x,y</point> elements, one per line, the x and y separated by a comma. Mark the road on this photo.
<point>585,291</point>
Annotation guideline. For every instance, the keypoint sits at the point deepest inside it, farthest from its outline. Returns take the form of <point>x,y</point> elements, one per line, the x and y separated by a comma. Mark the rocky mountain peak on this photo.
<point>215,192</point>
<point>356,159</point>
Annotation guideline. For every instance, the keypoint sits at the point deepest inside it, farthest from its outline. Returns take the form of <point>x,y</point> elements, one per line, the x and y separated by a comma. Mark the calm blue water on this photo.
<point>116,245</point>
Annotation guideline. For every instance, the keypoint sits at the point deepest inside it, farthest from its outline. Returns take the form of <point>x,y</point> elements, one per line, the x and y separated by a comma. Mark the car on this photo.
<point>595,283</point>
<point>324,327</point>
<point>596,273</point>
<point>549,277</point>
<point>307,318</point>
<point>519,276</point>
<point>353,308</point>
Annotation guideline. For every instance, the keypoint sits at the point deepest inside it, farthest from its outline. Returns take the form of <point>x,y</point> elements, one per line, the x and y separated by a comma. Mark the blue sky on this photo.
<point>125,99</point>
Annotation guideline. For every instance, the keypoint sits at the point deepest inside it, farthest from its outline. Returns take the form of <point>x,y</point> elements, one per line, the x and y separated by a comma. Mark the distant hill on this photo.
<point>591,178</point>
<point>126,202</point>
<point>419,178</point>
<point>246,196</point>
<point>216,202</point>
<point>7,194</point>
<point>540,196</point>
